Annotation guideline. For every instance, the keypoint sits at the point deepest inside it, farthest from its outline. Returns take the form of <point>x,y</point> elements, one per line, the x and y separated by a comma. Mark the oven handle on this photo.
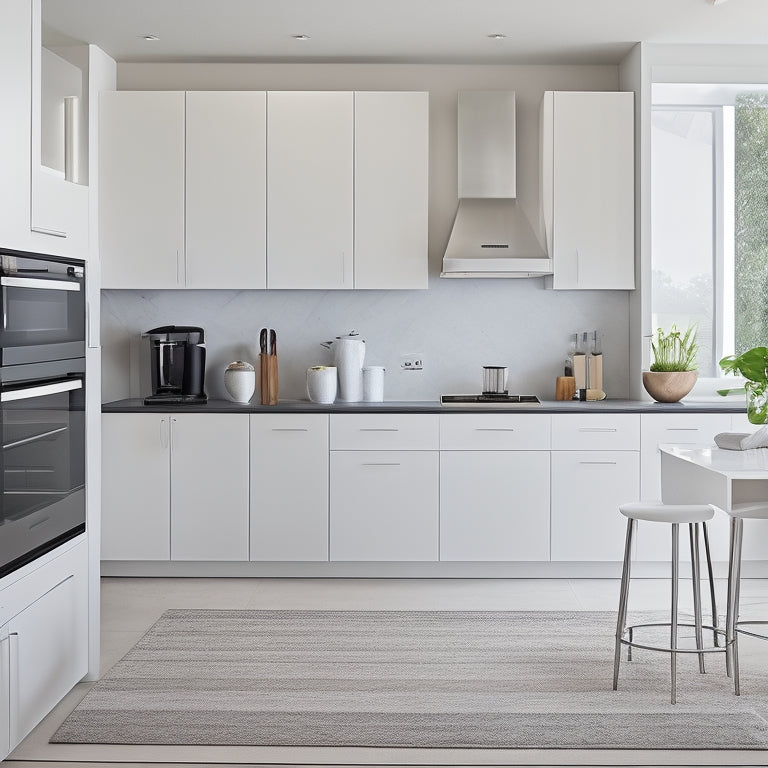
<point>42,390</point>
<point>33,282</point>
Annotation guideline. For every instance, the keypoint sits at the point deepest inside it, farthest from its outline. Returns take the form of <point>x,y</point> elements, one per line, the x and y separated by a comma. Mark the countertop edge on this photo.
<point>136,405</point>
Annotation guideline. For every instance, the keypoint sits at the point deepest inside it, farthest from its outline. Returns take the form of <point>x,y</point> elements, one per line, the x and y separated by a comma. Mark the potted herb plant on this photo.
<point>673,370</point>
<point>753,366</point>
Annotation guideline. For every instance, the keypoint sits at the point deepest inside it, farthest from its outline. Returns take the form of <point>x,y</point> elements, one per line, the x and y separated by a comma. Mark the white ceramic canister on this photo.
<point>348,355</point>
<point>321,384</point>
<point>240,381</point>
<point>373,383</point>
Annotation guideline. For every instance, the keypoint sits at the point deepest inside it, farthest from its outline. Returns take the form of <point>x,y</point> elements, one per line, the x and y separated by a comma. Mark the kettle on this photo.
<point>348,355</point>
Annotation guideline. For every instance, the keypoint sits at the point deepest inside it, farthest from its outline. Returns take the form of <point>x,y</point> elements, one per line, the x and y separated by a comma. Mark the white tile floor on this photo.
<point>131,605</point>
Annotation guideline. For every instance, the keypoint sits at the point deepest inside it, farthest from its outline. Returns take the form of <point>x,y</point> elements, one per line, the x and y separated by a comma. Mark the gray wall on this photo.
<point>456,325</point>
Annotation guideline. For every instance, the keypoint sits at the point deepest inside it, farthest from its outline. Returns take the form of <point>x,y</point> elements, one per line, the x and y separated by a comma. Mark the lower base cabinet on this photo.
<point>494,505</point>
<point>44,644</point>
<point>289,487</point>
<point>175,486</point>
<point>384,505</point>
<point>587,488</point>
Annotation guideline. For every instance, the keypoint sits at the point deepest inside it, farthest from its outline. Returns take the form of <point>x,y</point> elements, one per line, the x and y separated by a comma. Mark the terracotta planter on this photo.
<point>669,386</point>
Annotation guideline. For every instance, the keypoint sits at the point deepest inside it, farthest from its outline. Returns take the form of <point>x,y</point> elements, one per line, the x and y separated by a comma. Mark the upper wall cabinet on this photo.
<point>43,133</point>
<point>310,155</point>
<point>391,189</point>
<point>246,189</point>
<point>141,189</point>
<point>588,188</point>
<point>226,189</point>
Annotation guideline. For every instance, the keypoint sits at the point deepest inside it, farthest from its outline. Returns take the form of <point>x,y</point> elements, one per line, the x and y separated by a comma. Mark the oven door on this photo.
<point>42,423</point>
<point>42,303</point>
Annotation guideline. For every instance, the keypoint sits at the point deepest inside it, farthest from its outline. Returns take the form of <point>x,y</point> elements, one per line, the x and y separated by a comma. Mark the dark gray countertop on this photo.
<point>430,406</point>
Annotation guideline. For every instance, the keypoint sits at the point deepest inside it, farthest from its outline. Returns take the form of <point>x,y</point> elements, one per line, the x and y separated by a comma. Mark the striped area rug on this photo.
<point>454,679</point>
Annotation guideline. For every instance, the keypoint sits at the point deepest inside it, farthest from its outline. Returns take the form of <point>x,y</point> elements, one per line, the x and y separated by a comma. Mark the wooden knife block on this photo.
<point>268,379</point>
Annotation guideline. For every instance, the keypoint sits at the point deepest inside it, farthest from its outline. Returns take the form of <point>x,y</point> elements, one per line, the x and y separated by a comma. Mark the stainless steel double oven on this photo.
<point>42,405</point>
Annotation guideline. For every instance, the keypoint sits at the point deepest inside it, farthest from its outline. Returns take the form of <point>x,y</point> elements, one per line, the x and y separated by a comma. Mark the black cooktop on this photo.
<point>486,400</point>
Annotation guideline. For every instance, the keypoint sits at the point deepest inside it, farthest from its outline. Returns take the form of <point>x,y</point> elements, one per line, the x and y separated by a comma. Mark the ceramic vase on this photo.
<point>240,381</point>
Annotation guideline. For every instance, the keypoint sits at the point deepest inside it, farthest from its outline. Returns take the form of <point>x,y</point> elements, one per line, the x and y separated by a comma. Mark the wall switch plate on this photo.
<point>412,362</point>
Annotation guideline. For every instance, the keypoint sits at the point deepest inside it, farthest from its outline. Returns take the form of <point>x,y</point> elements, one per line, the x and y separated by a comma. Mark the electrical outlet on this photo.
<point>412,362</point>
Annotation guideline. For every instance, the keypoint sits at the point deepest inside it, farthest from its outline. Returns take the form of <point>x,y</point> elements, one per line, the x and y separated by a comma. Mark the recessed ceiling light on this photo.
<point>497,36</point>
<point>300,37</point>
<point>149,37</point>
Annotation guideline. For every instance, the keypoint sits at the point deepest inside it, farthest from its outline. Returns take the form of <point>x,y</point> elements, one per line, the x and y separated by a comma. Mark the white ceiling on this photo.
<point>399,31</point>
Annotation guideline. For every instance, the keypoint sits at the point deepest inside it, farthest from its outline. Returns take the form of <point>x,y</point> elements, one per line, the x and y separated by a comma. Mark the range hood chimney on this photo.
<point>491,236</point>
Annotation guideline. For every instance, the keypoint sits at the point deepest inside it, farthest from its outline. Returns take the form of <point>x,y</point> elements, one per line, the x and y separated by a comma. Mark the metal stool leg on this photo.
<point>711,587</point>
<point>621,621</point>
<point>693,535</point>
<point>673,621</point>
<point>732,611</point>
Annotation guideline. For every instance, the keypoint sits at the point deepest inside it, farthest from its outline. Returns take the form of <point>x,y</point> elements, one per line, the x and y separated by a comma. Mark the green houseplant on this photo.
<point>673,371</point>
<point>753,366</point>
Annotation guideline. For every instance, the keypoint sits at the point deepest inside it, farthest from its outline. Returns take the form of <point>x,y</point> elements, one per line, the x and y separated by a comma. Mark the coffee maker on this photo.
<point>177,365</point>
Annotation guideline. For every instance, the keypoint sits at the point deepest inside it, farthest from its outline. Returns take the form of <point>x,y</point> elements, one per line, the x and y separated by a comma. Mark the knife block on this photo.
<point>268,379</point>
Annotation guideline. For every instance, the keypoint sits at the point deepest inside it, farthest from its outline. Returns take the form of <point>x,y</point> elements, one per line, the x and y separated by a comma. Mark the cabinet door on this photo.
<point>5,692</point>
<point>593,241</point>
<point>494,505</point>
<point>226,189</point>
<point>141,189</point>
<point>391,189</point>
<point>310,189</point>
<point>587,488</point>
<point>136,486</point>
<point>49,653</point>
<point>289,486</point>
<point>209,486</point>
<point>384,505</point>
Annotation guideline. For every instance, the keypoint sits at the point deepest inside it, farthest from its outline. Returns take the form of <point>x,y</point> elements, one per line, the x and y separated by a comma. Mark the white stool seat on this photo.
<point>752,510</point>
<point>656,512</point>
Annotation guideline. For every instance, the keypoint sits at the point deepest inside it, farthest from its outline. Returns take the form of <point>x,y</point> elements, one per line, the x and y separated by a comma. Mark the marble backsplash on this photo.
<point>456,326</point>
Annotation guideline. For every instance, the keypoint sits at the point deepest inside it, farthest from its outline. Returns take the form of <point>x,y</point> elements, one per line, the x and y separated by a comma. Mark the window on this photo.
<point>709,193</point>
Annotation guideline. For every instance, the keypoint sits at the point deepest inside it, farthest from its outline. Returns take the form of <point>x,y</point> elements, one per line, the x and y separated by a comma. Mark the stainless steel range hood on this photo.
<point>491,236</point>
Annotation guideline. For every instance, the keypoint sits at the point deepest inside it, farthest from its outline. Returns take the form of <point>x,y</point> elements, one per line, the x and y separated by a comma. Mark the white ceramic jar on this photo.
<point>240,381</point>
<point>373,383</point>
<point>321,384</point>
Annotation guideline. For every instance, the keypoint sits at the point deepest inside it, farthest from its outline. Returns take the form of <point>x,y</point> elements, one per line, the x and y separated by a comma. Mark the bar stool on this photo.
<point>738,514</point>
<point>675,515</point>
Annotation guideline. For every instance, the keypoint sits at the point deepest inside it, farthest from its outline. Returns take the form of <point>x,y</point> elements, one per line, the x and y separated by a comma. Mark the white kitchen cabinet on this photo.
<point>5,692</point>
<point>596,432</point>
<point>40,210</point>
<point>209,486</point>
<point>384,505</point>
<point>141,189</point>
<point>310,180</point>
<point>48,652</point>
<point>588,188</point>
<point>136,486</point>
<point>690,429</point>
<point>391,189</point>
<point>587,488</point>
<point>226,189</point>
<point>385,432</point>
<point>289,487</point>
<point>174,486</point>
<point>494,505</point>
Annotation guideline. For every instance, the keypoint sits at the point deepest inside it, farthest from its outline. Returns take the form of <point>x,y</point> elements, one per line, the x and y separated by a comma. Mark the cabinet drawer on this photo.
<point>494,432</point>
<point>385,432</point>
<point>596,432</point>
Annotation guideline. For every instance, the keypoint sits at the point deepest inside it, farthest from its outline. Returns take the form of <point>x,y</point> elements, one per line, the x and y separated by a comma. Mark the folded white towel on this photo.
<point>742,441</point>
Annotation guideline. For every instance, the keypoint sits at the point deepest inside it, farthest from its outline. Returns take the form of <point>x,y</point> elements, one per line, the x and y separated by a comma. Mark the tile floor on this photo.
<point>131,605</point>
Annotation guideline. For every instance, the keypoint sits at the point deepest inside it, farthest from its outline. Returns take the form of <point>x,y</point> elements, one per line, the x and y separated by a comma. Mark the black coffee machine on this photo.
<point>177,365</point>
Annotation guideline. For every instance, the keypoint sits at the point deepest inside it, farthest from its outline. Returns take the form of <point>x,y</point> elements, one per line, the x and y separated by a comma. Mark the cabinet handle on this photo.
<point>379,429</point>
<point>51,232</point>
<point>164,433</point>
<point>494,429</point>
<point>343,271</point>
<point>597,462</point>
<point>172,421</point>
<point>682,429</point>
<point>381,463</point>
<point>598,429</point>
<point>178,265</point>
<point>13,684</point>
<point>290,429</point>
<point>577,266</point>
